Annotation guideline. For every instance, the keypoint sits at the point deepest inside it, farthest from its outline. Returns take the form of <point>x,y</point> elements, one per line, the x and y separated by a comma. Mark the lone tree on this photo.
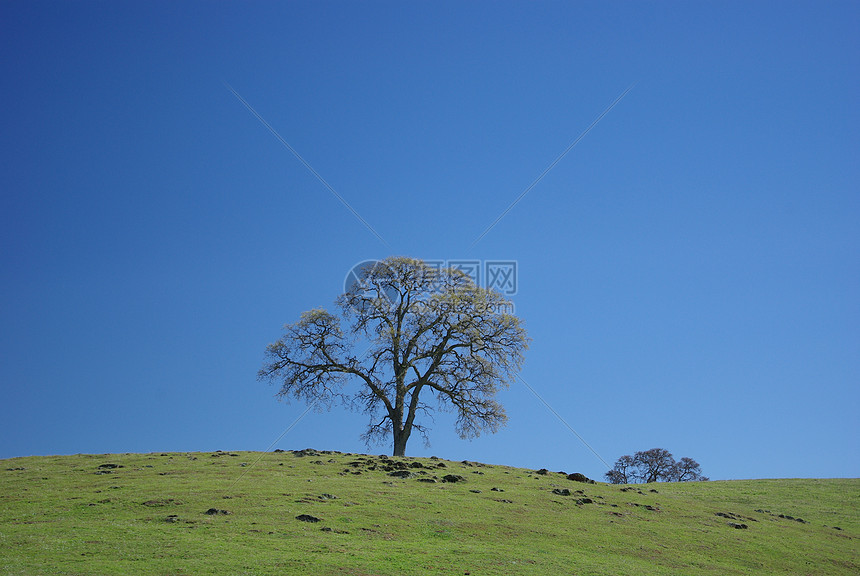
<point>412,333</point>
<point>654,465</point>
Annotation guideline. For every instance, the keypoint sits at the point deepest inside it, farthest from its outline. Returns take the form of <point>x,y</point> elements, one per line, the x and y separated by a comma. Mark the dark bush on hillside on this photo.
<point>654,465</point>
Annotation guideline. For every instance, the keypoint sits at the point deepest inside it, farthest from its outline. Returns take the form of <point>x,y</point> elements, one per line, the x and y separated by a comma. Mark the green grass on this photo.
<point>58,515</point>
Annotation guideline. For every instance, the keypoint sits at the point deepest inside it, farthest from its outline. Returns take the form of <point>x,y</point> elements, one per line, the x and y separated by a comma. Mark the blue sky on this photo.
<point>688,272</point>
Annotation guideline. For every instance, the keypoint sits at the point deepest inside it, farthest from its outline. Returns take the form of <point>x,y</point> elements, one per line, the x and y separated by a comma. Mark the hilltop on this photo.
<point>329,513</point>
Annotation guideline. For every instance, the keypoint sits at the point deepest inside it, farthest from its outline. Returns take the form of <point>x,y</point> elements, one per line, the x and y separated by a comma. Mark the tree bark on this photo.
<point>400,438</point>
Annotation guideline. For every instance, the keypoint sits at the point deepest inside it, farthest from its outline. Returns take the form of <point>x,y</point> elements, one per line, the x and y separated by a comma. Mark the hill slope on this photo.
<point>236,513</point>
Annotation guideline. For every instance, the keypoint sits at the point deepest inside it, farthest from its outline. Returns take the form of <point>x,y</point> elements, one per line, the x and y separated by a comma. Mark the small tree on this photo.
<point>654,465</point>
<point>413,332</point>
<point>687,470</point>
<point>622,472</point>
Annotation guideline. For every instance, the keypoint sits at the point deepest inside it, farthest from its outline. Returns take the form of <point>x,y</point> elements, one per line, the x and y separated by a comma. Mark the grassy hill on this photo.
<point>236,513</point>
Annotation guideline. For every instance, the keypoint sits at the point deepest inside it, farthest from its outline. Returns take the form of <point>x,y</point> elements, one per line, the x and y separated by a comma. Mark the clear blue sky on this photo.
<point>689,272</point>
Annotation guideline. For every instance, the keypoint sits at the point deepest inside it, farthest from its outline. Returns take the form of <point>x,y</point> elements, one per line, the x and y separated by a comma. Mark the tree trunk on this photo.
<point>400,438</point>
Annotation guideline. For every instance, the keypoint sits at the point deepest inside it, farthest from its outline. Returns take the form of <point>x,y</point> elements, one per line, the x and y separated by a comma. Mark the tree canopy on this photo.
<point>654,465</point>
<point>412,339</point>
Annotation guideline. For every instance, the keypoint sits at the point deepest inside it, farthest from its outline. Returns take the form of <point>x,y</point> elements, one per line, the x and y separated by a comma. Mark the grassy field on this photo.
<point>236,513</point>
